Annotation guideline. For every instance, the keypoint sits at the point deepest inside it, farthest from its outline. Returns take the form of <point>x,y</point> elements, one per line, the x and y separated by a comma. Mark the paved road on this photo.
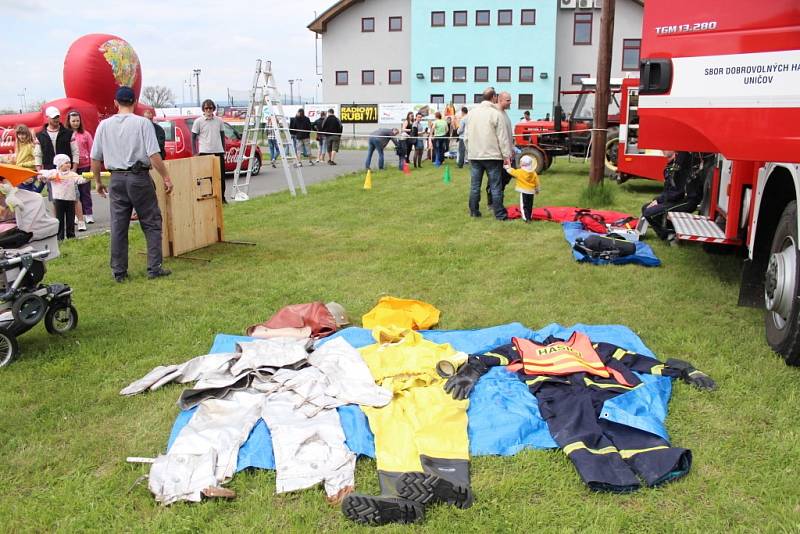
<point>268,181</point>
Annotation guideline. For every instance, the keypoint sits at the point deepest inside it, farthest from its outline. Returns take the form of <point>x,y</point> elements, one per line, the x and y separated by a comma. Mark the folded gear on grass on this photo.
<point>572,378</point>
<point>421,446</point>
<point>404,313</point>
<point>503,417</point>
<point>314,315</point>
<point>593,220</point>
<point>644,255</point>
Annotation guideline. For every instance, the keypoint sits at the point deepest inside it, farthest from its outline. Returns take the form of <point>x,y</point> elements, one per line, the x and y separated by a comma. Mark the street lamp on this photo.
<point>299,93</point>
<point>196,73</point>
<point>291,91</point>
<point>23,100</point>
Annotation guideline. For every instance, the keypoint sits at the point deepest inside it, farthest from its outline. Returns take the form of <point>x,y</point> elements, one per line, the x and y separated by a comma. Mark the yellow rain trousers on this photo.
<point>421,419</point>
<point>404,313</point>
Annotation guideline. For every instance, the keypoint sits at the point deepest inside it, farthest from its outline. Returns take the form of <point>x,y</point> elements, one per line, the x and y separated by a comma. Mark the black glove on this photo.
<point>692,376</point>
<point>461,384</point>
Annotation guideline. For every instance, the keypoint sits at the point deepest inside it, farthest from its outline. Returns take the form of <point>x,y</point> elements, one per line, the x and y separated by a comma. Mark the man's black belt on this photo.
<point>138,167</point>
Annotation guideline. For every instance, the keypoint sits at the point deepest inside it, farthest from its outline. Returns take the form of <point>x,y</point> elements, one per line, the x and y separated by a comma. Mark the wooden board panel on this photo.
<point>192,213</point>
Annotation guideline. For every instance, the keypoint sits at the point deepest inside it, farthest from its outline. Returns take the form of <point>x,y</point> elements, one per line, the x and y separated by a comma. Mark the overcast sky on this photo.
<point>170,37</point>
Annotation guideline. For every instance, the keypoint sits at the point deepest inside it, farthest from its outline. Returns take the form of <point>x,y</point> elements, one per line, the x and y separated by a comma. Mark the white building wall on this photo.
<point>346,48</point>
<point>582,59</point>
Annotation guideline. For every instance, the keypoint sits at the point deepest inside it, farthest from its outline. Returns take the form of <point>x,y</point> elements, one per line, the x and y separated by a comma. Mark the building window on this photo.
<point>505,17</point>
<point>503,74</point>
<point>367,77</point>
<point>395,77</point>
<point>525,102</point>
<point>526,74</point>
<point>437,74</point>
<point>528,17</point>
<point>459,99</point>
<point>459,18</point>
<point>477,98</point>
<point>481,74</point>
<point>577,79</point>
<point>459,74</point>
<point>341,77</point>
<point>630,54</point>
<point>437,18</point>
<point>395,24</point>
<point>437,99</point>
<point>582,29</point>
<point>483,17</point>
<point>368,24</point>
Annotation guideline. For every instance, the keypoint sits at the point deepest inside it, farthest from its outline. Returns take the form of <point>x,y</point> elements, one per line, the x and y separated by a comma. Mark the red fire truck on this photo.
<point>625,158</point>
<point>724,78</point>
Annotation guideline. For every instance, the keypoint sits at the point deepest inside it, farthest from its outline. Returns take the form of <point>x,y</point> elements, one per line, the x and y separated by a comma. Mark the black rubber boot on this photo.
<point>379,510</point>
<point>385,508</point>
<point>443,481</point>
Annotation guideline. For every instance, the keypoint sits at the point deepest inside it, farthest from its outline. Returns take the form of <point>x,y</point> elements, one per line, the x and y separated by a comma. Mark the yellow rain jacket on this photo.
<point>405,313</point>
<point>527,181</point>
<point>421,419</point>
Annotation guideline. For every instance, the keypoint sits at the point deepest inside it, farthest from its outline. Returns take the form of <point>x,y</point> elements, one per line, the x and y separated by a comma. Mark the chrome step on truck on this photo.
<point>691,227</point>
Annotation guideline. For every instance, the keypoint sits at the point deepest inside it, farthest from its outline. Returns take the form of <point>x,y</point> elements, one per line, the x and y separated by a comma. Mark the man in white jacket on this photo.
<point>489,149</point>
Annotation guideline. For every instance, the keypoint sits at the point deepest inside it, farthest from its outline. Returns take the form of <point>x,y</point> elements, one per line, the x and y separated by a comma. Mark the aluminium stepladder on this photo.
<point>264,92</point>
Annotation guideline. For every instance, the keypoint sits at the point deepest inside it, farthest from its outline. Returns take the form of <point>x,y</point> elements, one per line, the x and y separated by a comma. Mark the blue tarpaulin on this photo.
<point>503,416</point>
<point>644,255</point>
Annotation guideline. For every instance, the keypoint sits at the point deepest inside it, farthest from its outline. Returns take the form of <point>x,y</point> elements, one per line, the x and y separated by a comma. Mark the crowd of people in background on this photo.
<point>460,134</point>
<point>72,205</point>
<point>483,137</point>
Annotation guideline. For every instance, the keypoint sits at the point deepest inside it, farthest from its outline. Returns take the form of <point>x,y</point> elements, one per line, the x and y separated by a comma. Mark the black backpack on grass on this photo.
<point>604,248</point>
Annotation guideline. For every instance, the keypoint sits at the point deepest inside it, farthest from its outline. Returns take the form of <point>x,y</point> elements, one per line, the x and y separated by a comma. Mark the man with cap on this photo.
<point>54,139</point>
<point>127,145</point>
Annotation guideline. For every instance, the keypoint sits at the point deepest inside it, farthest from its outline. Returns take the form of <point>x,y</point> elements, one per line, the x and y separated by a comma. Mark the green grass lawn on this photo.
<point>65,431</point>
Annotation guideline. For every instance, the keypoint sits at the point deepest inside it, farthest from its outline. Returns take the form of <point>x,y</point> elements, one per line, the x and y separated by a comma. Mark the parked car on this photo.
<point>178,131</point>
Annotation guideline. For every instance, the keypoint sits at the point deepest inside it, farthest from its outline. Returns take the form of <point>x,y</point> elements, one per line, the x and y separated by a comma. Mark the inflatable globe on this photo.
<point>96,65</point>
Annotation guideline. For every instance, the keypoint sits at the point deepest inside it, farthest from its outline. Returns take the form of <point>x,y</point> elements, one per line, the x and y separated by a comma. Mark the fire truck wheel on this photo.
<point>781,289</point>
<point>538,156</point>
<point>612,152</point>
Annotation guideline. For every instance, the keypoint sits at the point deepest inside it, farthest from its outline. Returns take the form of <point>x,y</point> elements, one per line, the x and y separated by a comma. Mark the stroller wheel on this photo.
<point>28,309</point>
<point>61,318</point>
<point>9,348</point>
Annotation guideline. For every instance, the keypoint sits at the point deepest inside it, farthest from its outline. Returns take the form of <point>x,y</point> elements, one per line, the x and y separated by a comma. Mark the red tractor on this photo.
<point>567,135</point>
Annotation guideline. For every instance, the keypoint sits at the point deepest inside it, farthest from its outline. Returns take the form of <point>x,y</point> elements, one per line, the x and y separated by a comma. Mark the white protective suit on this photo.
<point>297,404</point>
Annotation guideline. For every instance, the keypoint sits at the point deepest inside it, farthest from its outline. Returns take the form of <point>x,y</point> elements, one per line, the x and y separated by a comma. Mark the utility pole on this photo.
<point>196,73</point>
<point>291,92</point>
<point>602,91</point>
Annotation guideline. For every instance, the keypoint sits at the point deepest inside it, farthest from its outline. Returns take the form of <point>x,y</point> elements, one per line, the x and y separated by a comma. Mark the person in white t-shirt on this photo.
<point>208,138</point>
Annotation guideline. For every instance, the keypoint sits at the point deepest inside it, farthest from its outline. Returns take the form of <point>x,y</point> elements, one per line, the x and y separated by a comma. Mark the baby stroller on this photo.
<point>24,300</point>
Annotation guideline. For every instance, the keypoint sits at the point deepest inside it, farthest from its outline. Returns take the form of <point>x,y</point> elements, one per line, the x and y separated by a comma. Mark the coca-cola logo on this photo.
<point>230,155</point>
<point>8,138</point>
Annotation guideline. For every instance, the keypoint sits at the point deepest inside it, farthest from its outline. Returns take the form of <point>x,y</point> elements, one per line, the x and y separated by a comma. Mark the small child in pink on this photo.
<point>64,183</point>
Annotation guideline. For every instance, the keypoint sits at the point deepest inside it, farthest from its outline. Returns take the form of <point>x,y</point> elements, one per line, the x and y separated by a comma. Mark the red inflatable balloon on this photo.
<point>96,66</point>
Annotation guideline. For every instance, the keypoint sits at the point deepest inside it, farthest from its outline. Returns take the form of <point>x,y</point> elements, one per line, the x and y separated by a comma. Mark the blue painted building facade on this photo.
<point>459,47</point>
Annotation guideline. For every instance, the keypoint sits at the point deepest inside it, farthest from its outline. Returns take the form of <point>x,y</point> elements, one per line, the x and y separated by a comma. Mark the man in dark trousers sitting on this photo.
<point>683,191</point>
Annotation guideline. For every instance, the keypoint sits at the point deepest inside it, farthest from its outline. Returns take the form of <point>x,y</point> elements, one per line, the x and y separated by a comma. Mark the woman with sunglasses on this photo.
<point>83,205</point>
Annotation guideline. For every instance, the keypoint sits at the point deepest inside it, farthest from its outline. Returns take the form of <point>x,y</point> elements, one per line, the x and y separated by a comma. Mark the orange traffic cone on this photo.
<point>406,170</point>
<point>368,180</point>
